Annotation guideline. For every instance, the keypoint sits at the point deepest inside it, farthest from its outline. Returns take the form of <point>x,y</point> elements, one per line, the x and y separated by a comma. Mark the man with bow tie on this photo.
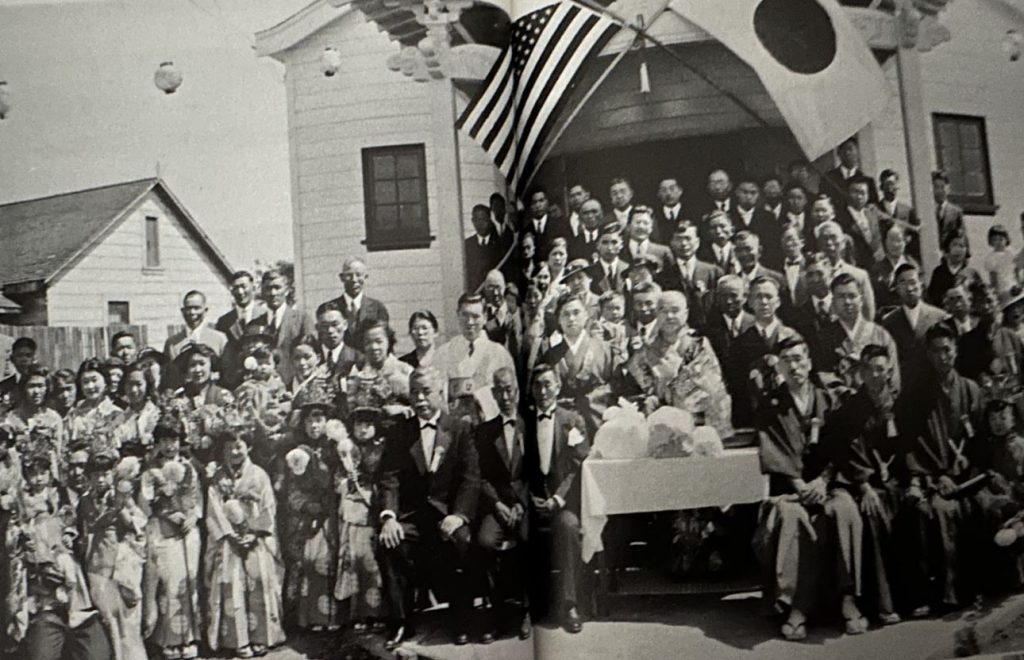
<point>429,488</point>
<point>504,505</point>
<point>556,445</point>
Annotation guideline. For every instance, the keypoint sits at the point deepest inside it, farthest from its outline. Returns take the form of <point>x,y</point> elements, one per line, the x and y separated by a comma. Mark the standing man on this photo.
<point>360,310</point>
<point>689,275</point>
<point>728,320</point>
<point>584,244</point>
<point>862,223</point>
<point>504,325</point>
<point>124,346</point>
<point>541,224</point>
<point>504,225</point>
<point>747,215</point>
<point>483,249</point>
<point>577,196</point>
<point>608,273</point>
<point>640,227</point>
<point>837,180</point>
<point>556,445</point>
<point>670,213</point>
<point>949,216</point>
<point>909,321</point>
<point>897,212</point>
<point>337,357</point>
<point>772,197</point>
<point>429,487</point>
<point>620,193</point>
<point>245,308</point>
<point>831,240</point>
<point>505,504</point>
<point>719,189</point>
<point>23,357</point>
<point>284,322</point>
<point>196,332</point>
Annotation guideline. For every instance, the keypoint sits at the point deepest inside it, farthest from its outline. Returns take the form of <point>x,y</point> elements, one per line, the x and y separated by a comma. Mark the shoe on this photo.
<point>525,627</point>
<point>572,621</point>
<point>921,612</point>
<point>856,626</point>
<point>460,639</point>
<point>487,638</point>
<point>400,634</point>
<point>259,650</point>
<point>245,652</point>
<point>889,618</point>
<point>190,652</point>
<point>794,632</point>
<point>171,653</point>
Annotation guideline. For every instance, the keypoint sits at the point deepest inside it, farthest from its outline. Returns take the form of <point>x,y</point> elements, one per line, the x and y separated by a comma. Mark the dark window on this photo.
<point>118,313</point>
<point>152,243</point>
<point>395,196</point>
<point>962,151</point>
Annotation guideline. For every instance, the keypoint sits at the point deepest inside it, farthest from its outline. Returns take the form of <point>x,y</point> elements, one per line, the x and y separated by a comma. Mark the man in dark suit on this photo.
<point>23,356</point>
<point>483,250</point>
<point>862,223</point>
<point>429,488</point>
<point>608,273</point>
<point>949,216</point>
<point>908,323</point>
<point>814,317</point>
<point>584,244</point>
<point>541,224</point>
<point>503,325</point>
<point>232,324</point>
<point>727,319</point>
<point>284,322</point>
<point>504,504</point>
<point>837,180</point>
<point>895,211</point>
<point>772,196</point>
<point>620,196</point>
<point>359,309</point>
<point>556,445</point>
<point>719,191</point>
<point>670,212</point>
<point>337,357</point>
<point>748,215</point>
<point>719,249</point>
<point>639,242</point>
<point>688,274</point>
<point>748,255</point>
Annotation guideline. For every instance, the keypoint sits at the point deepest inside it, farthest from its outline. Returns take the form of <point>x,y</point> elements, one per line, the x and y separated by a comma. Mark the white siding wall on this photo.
<point>476,170</point>
<point>330,121</point>
<point>970,75</point>
<point>114,270</point>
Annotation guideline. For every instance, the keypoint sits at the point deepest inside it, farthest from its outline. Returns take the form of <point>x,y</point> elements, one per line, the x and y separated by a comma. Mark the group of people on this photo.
<point>280,469</point>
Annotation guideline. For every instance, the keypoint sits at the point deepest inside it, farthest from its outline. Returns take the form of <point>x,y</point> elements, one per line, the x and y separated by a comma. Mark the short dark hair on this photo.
<point>534,190</point>
<point>789,341</point>
<point>469,298</point>
<point>764,279</point>
<point>859,180</point>
<point>169,425</point>
<point>25,342</point>
<point>35,371</point>
<point>617,180</point>
<point>939,331</point>
<point>482,208</point>
<point>305,340</point>
<point>770,177</point>
<point>872,351</point>
<point>544,368</point>
<point>646,287</point>
<point>423,315</point>
<point>193,292</point>
<point>62,377</point>
<point>795,185</point>
<point>887,174</point>
<point>239,274</point>
<point>998,405</point>
<point>567,299</point>
<point>121,334</point>
<point>135,367</point>
<point>903,268</point>
<point>382,325</point>
<point>274,274</point>
<point>842,279</point>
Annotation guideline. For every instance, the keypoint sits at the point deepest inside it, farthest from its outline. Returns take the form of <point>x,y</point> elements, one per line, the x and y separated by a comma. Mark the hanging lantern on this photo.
<point>5,100</point>
<point>1013,43</point>
<point>330,61</point>
<point>167,78</point>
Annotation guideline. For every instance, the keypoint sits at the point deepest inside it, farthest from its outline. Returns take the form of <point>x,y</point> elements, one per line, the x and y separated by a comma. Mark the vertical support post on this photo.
<point>447,208</point>
<point>919,160</point>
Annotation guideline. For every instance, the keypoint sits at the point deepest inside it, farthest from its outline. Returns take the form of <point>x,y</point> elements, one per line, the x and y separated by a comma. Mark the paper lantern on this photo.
<point>330,61</point>
<point>167,78</point>
<point>5,99</point>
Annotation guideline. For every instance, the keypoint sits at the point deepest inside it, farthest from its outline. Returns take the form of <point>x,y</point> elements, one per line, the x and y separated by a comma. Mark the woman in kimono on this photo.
<point>359,582</point>
<point>63,393</point>
<point>243,562</point>
<point>135,431</point>
<point>679,368</point>
<point>389,374</point>
<point>583,362</point>
<point>32,415</point>
<point>423,329</point>
<point>94,408</point>
<point>112,529</point>
<point>171,496</point>
<point>309,526</point>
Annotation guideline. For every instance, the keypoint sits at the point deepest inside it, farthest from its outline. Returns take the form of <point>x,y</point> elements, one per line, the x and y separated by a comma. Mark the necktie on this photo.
<point>672,216</point>
<point>428,425</point>
<point>331,362</point>
<point>541,417</point>
<point>822,308</point>
<point>471,347</point>
<point>735,327</point>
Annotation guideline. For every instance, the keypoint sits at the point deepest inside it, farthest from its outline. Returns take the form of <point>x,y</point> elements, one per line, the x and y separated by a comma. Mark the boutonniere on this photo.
<point>701,286</point>
<point>435,462</point>
<point>816,424</point>
<point>575,437</point>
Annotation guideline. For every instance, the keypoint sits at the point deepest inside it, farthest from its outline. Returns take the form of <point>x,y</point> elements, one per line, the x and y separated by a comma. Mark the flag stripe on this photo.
<point>504,71</point>
<point>543,55</point>
<point>476,103</point>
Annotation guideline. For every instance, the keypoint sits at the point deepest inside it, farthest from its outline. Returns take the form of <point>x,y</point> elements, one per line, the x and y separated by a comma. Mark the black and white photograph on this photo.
<point>511,329</point>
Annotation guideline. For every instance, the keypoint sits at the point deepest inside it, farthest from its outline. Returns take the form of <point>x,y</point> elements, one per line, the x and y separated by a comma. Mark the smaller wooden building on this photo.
<point>119,254</point>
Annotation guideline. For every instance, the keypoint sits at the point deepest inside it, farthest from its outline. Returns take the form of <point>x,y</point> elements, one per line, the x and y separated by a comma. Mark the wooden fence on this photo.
<point>69,346</point>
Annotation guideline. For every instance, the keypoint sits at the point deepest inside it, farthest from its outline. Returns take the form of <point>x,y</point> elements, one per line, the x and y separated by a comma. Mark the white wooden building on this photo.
<point>378,169</point>
<point>123,253</point>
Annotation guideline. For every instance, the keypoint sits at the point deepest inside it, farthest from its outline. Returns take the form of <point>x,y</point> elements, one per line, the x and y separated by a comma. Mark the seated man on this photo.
<point>810,541</point>
<point>504,506</point>
<point>429,486</point>
<point>555,448</point>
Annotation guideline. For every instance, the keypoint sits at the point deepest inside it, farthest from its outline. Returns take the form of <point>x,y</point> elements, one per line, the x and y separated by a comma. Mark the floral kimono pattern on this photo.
<point>171,611</point>
<point>310,543</point>
<point>243,584</point>
<point>133,435</point>
<point>359,579</point>
<point>83,421</point>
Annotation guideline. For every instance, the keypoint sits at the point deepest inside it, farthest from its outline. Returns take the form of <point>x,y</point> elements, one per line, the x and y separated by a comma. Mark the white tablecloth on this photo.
<point>638,485</point>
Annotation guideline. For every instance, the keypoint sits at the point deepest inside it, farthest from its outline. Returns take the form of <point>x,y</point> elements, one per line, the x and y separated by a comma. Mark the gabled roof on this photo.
<point>43,238</point>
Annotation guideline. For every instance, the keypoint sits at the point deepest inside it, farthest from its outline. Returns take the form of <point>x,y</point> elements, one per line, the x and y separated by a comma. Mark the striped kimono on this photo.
<point>243,586</point>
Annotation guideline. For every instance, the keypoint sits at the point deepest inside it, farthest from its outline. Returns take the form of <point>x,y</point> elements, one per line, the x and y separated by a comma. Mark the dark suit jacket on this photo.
<point>553,228</point>
<point>881,276</point>
<point>510,333</point>
<point>562,478</point>
<point>408,489</point>
<point>950,219</point>
<point>865,252</point>
<point>296,323</point>
<point>811,325</point>
<point>717,332</point>
<point>656,250</point>
<point>910,340</point>
<point>906,216</point>
<point>502,477</point>
<point>768,230</point>
<point>599,282</point>
<point>663,227</point>
<point>370,311</point>
<point>748,350</point>
<point>835,186</point>
<point>579,248</point>
<point>699,291</point>
<point>480,260</point>
<point>233,328</point>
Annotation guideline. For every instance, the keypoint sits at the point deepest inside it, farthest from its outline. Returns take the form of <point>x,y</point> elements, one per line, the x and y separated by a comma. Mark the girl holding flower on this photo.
<point>309,526</point>
<point>243,562</point>
<point>32,416</point>
<point>170,495</point>
<point>135,432</point>
<point>94,408</point>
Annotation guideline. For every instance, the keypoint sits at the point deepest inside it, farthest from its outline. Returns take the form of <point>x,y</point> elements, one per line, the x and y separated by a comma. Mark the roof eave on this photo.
<point>307,21</point>
<point>205,242</point>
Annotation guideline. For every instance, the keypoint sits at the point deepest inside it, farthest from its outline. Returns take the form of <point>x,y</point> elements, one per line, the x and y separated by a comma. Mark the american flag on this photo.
<point>524,92</point>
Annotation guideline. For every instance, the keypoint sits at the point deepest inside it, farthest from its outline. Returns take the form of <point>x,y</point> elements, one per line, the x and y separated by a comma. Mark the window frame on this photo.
<point>971,204</point>
<point>402,239</point>
<point>154,222</point>
<point>127,312</point>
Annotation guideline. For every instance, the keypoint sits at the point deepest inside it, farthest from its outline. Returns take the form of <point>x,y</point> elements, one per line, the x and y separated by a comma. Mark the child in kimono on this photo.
<point>264,395</point>
<point>170,494</point>
<point>359,580</point>
<point>611,325</point>
<point>243,568</point>
<point>112,529</point>
<point>309,526</point>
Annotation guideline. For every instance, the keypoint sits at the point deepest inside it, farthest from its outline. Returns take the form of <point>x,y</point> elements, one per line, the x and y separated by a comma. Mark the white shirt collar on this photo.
<point>433,420</point>
<point>768,330</point>
<point>575,346</point>
<point>855,330</point>
<point>827,300</point>
<point>357,301</point>
<point>687,266</point>
<point>624,213</point>
<point>912,314</point>
<point>483,240</point>
<point>847,171</point>
<point>541,223</point>
<point>245,312</point>
<point>747,215</point>
<point>574,223</point>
